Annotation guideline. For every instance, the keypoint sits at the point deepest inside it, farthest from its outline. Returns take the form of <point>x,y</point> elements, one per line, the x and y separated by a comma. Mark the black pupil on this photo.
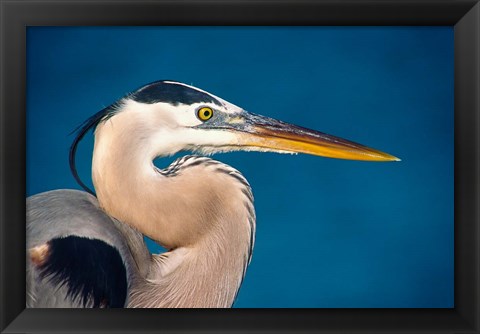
<point>206,113</point>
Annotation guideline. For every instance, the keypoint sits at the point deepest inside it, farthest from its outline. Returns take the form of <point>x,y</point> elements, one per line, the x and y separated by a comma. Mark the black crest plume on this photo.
<point>81,131</point>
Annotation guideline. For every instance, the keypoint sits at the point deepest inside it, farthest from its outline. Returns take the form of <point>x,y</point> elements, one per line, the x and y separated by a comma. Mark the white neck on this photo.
<point>205,217</point>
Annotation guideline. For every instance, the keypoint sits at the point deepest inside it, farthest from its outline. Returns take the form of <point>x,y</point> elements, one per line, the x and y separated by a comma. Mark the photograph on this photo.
<point>240,167</point>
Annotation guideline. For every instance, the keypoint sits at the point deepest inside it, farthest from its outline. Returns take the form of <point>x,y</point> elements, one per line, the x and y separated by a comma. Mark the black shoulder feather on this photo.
<point>91,269</point>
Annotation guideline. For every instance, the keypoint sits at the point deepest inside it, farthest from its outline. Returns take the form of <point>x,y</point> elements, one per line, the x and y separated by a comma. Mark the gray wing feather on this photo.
<point>62,213</point>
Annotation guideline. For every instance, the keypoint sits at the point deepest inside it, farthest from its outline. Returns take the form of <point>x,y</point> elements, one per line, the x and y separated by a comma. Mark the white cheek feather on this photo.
<point>173,141</point>
<point>166,129</point>
<point>164,114</point>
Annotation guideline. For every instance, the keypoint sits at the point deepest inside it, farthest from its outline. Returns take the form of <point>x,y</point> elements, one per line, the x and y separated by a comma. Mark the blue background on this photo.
<point>330,233</point>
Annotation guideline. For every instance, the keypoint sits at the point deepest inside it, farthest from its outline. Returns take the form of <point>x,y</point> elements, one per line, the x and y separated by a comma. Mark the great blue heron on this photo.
<point>87,251</point>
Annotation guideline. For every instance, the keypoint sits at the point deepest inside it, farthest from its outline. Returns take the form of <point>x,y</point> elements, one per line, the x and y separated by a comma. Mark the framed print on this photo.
<point>340,245</point>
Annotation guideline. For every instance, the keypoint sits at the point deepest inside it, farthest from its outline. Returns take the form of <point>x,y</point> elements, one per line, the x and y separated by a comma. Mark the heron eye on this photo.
<point>205,113</point>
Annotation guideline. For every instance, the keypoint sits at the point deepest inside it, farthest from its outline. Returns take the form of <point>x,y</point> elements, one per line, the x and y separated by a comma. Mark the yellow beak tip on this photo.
<point>392,158</point>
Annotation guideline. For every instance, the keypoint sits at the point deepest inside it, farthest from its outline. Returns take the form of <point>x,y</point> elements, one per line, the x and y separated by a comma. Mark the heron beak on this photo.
<point>270,134</point>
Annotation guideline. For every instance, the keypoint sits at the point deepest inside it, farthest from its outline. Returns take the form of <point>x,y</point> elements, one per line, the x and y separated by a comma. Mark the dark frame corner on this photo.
<point>464,15</point>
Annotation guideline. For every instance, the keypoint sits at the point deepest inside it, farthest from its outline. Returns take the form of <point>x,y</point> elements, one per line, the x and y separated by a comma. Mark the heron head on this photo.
<point>183,117</point>
<point>171,116</point>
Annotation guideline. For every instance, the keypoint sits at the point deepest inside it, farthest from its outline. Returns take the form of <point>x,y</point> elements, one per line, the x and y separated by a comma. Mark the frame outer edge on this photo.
<point>12,164</point>
<point>467,162</point>
<point>468,304</point>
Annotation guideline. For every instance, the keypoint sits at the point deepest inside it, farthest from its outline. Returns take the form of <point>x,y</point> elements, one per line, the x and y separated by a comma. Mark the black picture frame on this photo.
<point>463,15</point>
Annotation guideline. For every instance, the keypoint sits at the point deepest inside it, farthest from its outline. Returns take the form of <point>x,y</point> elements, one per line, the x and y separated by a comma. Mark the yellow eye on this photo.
<point>205,113</point>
